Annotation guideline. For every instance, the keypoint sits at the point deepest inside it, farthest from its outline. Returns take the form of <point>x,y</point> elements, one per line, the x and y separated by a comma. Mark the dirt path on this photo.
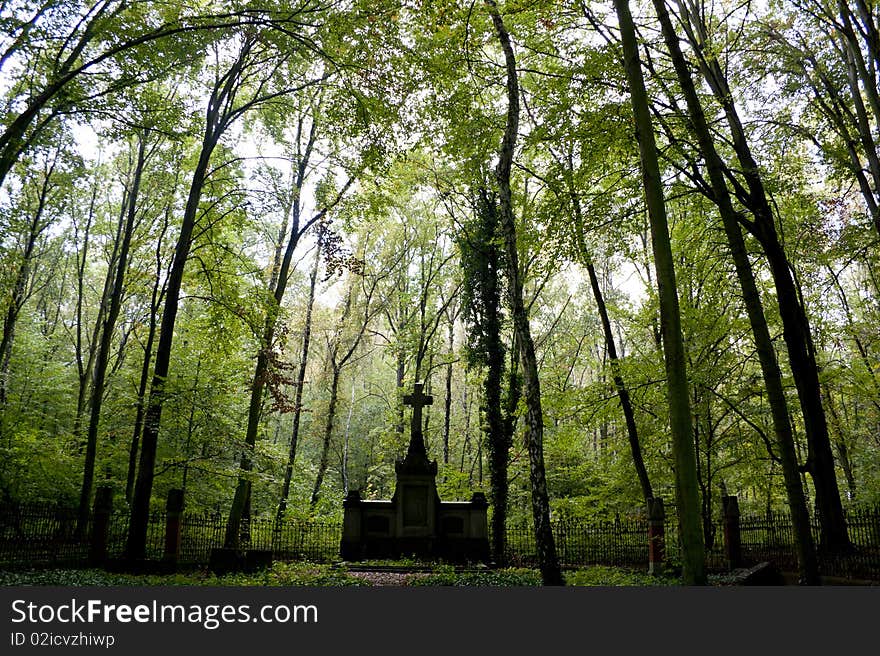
<point>387,578</point>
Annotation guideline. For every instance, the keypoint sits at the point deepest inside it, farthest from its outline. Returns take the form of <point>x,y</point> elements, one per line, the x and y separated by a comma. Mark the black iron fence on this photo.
<point>767,537</point>
<point>50,535</point>
<point>619,542</point>
<point>770,537</point>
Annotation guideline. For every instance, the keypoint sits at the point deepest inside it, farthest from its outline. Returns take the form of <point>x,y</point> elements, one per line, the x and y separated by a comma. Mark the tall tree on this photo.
<point>796,326</point>
<point>306,136</point>
<point>127,224</point>
<point>678,393</point>
<point>299,384</point>
<point>766,354</point>
<point>38,215</point>
<point>249,74</point>
<point>481,260</point>
<point>544,541</point>
<point>342,345</point>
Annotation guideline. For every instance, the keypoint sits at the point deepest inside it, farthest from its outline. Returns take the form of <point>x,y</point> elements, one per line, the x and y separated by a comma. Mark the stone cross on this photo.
<point>417,400</point>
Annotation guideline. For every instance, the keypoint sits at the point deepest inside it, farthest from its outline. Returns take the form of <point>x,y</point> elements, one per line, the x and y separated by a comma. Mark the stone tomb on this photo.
<point>415,522</point>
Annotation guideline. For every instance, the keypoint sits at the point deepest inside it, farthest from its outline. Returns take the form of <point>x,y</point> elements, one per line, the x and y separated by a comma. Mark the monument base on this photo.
<point>370,531</point>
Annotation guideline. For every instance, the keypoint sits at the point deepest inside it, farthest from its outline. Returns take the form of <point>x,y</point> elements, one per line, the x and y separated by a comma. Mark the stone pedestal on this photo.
<point>416,502</point>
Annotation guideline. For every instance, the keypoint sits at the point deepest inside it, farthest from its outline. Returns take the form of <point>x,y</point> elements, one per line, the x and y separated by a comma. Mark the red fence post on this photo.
<point>656,535</point>
<point>732,535</point>
<point>173,516</point>
<point>100,534</point>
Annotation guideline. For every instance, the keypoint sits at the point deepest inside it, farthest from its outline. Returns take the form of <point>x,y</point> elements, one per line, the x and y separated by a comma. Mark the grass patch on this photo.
<point>280,574</point>
<point>324,575</point>
<point>600,575</point>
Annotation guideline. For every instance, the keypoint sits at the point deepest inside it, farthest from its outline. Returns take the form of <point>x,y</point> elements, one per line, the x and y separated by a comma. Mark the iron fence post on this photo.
<point>173,525</point>
<point>732,533</point>
<point>656,535</point>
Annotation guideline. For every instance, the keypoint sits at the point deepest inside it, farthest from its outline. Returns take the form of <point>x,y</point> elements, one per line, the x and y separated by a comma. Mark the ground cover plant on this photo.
<point>323,575</point>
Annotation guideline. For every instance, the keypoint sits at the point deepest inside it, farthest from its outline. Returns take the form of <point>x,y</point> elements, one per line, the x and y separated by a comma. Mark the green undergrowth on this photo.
<point>325,575</point>
<point>280,574</point>
<point>600,575</point>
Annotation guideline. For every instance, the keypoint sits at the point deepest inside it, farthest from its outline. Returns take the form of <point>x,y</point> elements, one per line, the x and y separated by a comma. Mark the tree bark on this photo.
<point>219,115</point>
<point>19,287</point>
<point>155,301</point>
<point>686,490</point>
<point>551,573</point>
<point>298,392</point>
<point>108,328</point>
<point>279,286</point>
<point>447,403</point>
<point>328,435</point>
<point>807,563</point>
<point>796,326</point>
<point>611,347</point>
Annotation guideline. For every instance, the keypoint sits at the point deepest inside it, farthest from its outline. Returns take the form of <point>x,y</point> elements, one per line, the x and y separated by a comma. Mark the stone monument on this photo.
<point>415,522</point>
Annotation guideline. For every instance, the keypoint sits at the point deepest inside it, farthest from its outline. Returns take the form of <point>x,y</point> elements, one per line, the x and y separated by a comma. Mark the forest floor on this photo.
<point>324,575</point>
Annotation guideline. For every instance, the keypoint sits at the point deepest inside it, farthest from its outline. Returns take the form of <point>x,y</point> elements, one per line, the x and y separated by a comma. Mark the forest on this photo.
<point>629,247</point>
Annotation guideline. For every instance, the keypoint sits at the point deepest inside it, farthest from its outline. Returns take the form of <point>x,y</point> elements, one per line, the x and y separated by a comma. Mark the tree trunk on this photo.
<point>807,563</point>
<point>498,441</point>
<point>155,301</point>
<point>337,363</point>
<point>19,288</point>
<point>551,574</point>
<point>140,506</point>
<point>686,491</point>
<point>300,383</point>
<point>279,286</point>
<point>610,346</point>
<point>345,444</point>
<point>447,404</point>
<point>796,327</point>
<point>102,357</point>
<point>328,434</point>
<point>216,123</point>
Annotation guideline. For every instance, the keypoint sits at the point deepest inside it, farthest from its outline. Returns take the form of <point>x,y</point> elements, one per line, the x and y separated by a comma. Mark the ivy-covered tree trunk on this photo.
<point>481,262</point>
<point>545,545</point>
<point>807,563</point>
<point>680,421</point>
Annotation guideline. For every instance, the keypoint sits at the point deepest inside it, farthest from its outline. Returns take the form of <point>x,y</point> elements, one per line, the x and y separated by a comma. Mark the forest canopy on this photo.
<point>234,235</point>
